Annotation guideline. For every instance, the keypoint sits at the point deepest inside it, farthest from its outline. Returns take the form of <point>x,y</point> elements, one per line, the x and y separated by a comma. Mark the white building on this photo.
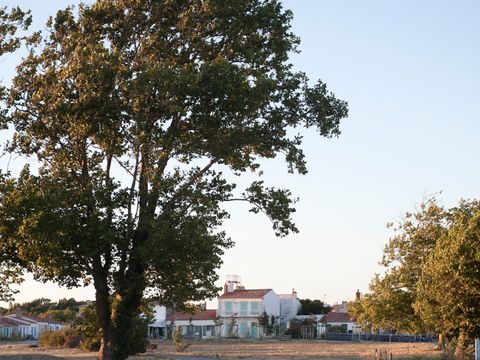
<point>157,328</point>
<point>340,320</point>
<point>239,308</point>
<point>31,327</point>
<point>289,306</point>
<point>201,324</point>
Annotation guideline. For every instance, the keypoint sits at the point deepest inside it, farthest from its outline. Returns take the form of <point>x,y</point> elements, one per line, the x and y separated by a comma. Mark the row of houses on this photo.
<point>238,312</point>
<point>26,326</point>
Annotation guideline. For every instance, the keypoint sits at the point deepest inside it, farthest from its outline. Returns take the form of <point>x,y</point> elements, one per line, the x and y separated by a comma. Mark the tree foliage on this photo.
<point>64,310</point>
<point>137,112</point>
<point>10,23</point>
<point>448,297</point>
<point>432,277</point>
<point>314,306</point>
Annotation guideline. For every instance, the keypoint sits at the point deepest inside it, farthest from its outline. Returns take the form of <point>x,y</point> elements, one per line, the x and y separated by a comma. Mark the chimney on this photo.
<point>357,295</point>
<point>18,314</point>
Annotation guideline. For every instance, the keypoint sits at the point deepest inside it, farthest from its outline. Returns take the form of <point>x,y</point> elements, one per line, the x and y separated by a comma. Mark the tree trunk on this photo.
<point>125,309</point>
<point>102,308</point>
<point>441,342</point>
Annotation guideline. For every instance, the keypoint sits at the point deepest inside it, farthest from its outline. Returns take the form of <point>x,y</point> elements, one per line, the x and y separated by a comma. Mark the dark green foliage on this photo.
<point>263,319</point>
<point>138,112</point>
<point>88,330</point>
<point>87,327</point>
<point>313,307</point>
<point>65,310</point>
<point>11,21</point>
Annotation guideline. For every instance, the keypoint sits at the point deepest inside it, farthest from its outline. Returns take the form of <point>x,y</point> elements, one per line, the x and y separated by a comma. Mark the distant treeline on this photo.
<point>313,307</point>
<point>63,310</point>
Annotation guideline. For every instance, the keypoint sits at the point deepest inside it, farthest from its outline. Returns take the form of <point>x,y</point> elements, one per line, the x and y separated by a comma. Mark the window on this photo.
<point>243,308</point>
<point>243,329</point>
<point>228,307</point>
<point>197,330</point>
<point>254,307</point>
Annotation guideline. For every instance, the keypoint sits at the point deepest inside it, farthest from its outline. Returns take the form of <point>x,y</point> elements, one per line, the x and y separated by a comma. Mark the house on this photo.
<point>239,308</point>
<point>289,307</point>
<point>339,322</point>
<point>157,329</point>
<point>340,308</point>
<point>31,326</point>
<point>200,324</point>
<point>8,327</point>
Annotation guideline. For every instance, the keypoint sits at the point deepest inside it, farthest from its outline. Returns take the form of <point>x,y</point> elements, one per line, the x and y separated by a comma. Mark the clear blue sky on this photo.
<point>410,71</point>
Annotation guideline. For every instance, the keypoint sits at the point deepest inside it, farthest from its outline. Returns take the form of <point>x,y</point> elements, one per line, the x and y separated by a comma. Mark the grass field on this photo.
<point>261,350</point>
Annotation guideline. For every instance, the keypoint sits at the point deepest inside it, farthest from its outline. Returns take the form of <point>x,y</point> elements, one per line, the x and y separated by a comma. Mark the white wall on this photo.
<point>350,325</point>
<point>194,322</point>
<point>289,306</point>
<point>159,316</point>
<point>271,303</point>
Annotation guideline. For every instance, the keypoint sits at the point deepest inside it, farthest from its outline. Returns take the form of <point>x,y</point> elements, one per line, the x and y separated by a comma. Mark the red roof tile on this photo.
<point>337,317</point>
<point>199,315</point>
<point>245,294</point>
<point>32,318</point>
<point>10,322</point>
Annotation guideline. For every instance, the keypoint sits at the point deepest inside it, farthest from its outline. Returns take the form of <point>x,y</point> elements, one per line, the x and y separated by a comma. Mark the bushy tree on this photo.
<point>432,277</point>
<point>389,305</point>
<point>137,112</point>
<point>448,296</point>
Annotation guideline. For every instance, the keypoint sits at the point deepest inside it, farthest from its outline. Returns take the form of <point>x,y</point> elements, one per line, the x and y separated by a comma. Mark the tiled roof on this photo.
<point>337,317</point>
<point>245,294</point>
<point>199,315</point>
<point>9,322</point>
<point>32,319</point>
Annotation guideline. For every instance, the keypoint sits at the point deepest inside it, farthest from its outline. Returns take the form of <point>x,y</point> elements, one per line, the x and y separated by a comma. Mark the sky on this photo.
<point>410,71</point>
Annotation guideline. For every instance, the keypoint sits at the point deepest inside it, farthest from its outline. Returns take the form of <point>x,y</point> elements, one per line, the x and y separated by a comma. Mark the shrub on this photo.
<point>63,338</point>
<point>180,345</point>
<point>72,340</point>
<point>87,329</point>
<point>51,339</point>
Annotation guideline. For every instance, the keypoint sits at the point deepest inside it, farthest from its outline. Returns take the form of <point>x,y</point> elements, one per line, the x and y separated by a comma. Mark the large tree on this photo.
<point>389,304</point>
<point>141,115</point>
<point>432,278</point>
<point>448,296</point>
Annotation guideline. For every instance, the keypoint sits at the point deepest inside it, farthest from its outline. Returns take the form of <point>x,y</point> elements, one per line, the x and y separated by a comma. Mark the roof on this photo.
<point>245,294</point>
<point>10,322</point>
<point>199,315</point>
<point>337,317</point>
<point>32,318</point>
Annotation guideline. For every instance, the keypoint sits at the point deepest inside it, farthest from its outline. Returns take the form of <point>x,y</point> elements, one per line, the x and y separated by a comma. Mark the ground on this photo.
<point>230,350</point>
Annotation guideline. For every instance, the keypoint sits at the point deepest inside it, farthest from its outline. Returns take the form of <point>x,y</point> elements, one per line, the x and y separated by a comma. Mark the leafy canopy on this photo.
<point>141,114</point>
<point>10,23</point>
<point>431,282</point>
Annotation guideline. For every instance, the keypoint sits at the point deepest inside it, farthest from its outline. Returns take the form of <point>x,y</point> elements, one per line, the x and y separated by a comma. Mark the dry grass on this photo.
<point>294,350</point>
<point>260,350</point>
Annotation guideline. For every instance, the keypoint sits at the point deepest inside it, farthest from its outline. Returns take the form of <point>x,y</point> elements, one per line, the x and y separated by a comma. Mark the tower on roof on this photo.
<point>233,283</point>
